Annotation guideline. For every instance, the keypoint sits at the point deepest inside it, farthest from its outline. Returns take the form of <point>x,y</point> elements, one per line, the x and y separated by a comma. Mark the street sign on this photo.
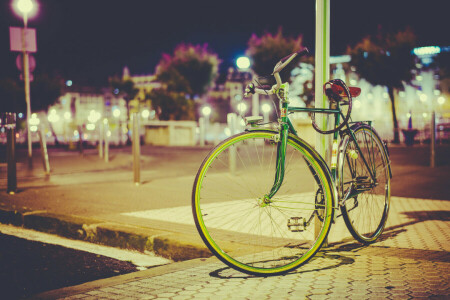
<point>31,62</point>
<point>16,41</point>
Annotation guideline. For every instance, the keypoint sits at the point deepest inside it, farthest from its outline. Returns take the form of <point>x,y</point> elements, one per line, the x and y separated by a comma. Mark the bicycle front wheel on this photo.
<point>244,228</point>
<point>365,214</point>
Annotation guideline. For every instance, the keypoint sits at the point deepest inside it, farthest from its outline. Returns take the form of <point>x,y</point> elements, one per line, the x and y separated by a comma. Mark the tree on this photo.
<point>386,59</point>
<point>124,88</point>
<point>172,105</point>
<point>185,75</point>
<point>267,50</point>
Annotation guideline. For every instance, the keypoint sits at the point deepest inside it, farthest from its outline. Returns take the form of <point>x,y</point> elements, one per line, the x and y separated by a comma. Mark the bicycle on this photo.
<point>264,200</point>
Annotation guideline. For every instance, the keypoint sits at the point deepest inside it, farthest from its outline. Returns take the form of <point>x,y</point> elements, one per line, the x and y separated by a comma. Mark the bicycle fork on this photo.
<point>281,141</point>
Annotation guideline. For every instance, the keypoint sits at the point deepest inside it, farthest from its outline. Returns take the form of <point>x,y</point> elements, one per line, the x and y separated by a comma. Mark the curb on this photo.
<point>173,246</point>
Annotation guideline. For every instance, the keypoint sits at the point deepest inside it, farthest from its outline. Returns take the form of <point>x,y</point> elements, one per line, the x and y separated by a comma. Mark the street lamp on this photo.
<point>206,111</point>
<point>242,107</point>
<point>204,123</point>
<point>266,109</point>
<point>243,63</point>
<point>26,8</point>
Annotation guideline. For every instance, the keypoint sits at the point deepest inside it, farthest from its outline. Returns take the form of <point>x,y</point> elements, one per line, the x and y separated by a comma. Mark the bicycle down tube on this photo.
<point>287,127</point>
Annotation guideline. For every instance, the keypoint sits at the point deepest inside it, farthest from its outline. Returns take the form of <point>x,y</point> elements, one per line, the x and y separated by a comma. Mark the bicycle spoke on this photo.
<point>365,214</point>
<point>232,207</point>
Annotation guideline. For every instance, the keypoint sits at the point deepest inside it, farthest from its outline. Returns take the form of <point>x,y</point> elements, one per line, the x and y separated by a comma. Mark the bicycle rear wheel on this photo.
<point>366,213</point>
<point>248,232</point>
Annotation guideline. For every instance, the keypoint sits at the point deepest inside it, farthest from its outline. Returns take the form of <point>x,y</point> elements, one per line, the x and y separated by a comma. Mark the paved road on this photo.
<point>414,248</point>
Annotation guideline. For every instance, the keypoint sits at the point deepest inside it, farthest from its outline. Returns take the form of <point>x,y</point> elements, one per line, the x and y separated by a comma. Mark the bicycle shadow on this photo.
<point>310,266</point>
<point>415,218</point>
<point>344,247</point>
<point>393,231</point>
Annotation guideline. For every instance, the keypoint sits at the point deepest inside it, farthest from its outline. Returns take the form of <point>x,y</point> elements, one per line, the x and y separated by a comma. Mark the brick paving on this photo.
<point>411,261</point>
<point>361,273</point>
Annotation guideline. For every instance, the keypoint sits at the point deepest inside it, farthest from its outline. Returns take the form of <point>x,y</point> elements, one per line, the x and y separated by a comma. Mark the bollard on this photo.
<point>231,118</point>
<point>8,121</point>
<point>433,140</point>
<point>44,152</point>
<point>80,140</point>
<point>201,127</point>
<point>255,104</point>
<point>136,150</point>
<point>100,140</point>
<point>106,137</point>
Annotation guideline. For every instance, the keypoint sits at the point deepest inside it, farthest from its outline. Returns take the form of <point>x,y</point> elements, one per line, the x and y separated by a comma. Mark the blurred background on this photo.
<point>182,67</point>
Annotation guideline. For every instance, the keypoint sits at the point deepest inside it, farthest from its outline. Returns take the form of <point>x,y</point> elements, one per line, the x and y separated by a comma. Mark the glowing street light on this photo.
<point>145,113</point>
<point>206,111</point>
<point>116,112</point>
<point>204,123</point>
<point>265,107</point>
<point>25,9</point>
<point>242,108</point>
<point>243,63</point>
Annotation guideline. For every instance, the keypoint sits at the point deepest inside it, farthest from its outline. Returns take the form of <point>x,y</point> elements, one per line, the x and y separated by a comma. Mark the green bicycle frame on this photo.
<point>287,127</point>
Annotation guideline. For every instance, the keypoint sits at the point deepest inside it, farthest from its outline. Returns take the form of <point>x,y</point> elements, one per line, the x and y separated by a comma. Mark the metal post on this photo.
<point>44,153</point>
<point>231,118</point>
<point>106,137</point>
<point>322,72</point>
<point>202,131</point>
<point>136,150</point>
<point>26,79</point>
<point>433,140</point>
<point>80,139</point>
<point>8,121</point>
<point>100,139</point>
<point>255,105</point>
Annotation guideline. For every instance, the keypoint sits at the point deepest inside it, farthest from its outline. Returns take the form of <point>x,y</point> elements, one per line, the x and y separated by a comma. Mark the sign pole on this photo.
<point>26,75</point>
<point>322,75</point>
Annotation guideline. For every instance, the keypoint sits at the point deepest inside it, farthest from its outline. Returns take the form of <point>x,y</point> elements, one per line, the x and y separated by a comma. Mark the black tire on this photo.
<point>232,217</point>
<point>365,214</point>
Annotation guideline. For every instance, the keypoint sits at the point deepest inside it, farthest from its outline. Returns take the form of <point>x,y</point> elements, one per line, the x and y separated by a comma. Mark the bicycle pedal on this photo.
<point>363,183</point>
<point>296,224</point>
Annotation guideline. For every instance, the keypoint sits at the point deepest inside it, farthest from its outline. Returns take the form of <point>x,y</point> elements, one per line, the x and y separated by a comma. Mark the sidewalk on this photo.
<point>87,198</point>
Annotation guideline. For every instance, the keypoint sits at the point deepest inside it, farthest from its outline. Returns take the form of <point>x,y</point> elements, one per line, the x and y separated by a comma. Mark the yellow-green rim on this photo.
<point>328,192</point>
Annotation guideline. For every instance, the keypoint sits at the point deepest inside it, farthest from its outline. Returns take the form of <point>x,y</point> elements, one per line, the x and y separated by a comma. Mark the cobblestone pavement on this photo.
<point>410,261</point>
<point>356,273</point>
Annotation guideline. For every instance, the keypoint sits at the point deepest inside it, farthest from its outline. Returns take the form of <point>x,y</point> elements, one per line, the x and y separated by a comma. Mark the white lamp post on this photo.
<point>26,8</point>
<point>206,111</point>
<point>266,109</point>
<point>242,108</point>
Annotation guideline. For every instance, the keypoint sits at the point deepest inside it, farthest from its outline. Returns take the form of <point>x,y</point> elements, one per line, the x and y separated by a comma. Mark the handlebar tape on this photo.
<point>303,52</point>
<point>299,53</point>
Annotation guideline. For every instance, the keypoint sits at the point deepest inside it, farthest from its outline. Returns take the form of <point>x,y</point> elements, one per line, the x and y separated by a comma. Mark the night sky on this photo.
<point>88,40</point>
